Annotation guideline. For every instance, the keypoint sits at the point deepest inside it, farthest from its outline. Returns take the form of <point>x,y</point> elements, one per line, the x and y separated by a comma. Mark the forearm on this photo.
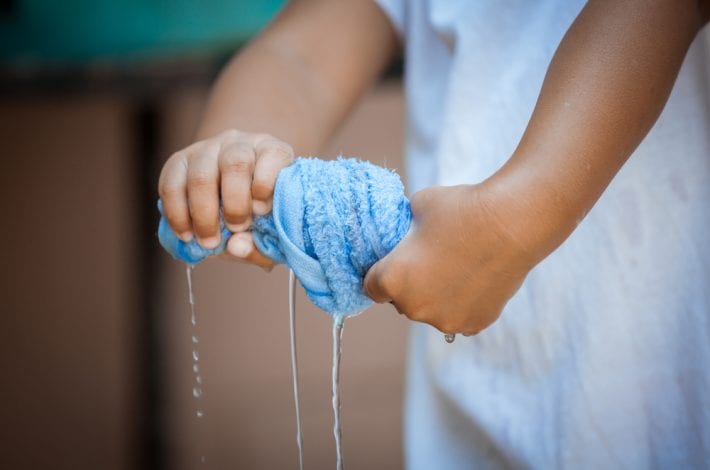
<point>302,75</point>
<point>604,89</point>
<point>259,91</point>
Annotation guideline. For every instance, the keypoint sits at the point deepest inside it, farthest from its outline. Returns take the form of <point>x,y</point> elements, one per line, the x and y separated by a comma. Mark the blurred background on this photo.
<point>96,334</point>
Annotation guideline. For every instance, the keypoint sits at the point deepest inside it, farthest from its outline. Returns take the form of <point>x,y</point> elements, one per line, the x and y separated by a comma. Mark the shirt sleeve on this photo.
<point>395,11</point>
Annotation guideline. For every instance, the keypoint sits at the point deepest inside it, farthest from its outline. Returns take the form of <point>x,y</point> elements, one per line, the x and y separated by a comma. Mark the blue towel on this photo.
<point>331,221</point>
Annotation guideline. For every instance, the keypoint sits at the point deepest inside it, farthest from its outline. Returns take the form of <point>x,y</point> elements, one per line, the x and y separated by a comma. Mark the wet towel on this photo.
<point>331,221</point>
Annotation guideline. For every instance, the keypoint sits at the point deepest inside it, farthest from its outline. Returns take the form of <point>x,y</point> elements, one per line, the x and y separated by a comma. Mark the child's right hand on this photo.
<point>237,167</point>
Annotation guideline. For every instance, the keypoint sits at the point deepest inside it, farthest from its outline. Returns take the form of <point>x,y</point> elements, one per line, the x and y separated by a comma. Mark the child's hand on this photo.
<point>463,261</point>
<point>237,167</point>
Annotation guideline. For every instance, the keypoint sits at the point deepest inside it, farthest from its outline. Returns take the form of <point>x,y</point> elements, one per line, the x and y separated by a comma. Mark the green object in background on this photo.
<point>80,31</point>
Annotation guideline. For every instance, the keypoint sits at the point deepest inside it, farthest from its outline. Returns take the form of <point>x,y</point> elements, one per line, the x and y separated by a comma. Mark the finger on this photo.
<point>173,193</point>
<point>236,165</point>
<point>374,284</point>
<point>396,307</point>
<point>241,246</point>
<point>203,195</point>
<point>271,156</point>
<point>227,256</point>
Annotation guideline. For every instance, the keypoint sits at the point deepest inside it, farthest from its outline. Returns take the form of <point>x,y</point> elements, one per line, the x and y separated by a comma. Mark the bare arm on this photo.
<point>604,89</point>
<point>606,86</point>
<point>301,76</point>
<point>287,90</point>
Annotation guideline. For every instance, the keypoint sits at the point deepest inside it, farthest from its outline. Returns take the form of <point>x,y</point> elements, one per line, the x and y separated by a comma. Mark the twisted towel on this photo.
<point>331,221</point>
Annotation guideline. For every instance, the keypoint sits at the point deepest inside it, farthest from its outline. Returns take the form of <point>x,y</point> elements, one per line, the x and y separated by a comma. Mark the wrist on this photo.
<point>530,210</point>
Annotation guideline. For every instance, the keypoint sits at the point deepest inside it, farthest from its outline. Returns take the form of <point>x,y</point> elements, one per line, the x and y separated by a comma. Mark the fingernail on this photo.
<point>240,247</point>
<point>234,228</point>
<point>210,242</point>
<point>260,207</point>
<point>186,237</point>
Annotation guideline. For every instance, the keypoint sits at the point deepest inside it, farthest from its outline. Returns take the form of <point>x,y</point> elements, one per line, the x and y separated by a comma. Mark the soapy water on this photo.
<point>294,363</point>
<point>197,387</point>
<point>338,324</point>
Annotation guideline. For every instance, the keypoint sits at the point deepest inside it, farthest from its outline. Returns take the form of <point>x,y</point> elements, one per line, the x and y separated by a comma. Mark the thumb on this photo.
<point>373,284</point>
<point>241,247</point>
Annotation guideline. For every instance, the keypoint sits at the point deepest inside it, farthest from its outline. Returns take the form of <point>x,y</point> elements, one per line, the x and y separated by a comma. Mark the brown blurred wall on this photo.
<point>72,391</point>
<point>68,395</point>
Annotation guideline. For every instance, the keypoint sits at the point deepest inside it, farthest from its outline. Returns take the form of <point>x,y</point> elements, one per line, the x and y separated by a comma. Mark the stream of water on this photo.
<point>338,324</point>
<point>197,386</point>
<point>294,363</point>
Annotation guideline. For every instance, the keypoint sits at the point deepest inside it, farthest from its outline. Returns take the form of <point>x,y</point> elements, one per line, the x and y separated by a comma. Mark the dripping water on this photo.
<point>197,386</point>
<point>338,323</point>
<point>294,363</point>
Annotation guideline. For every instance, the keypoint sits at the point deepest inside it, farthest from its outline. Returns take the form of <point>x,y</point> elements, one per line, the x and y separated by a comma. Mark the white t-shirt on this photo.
<point>602,359</point>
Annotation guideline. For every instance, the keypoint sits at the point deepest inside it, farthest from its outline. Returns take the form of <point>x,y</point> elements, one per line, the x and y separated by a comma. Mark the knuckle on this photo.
<point>237,158</point>
<point>276,148</point>
<point>200,180</point>
<point>229,134</point>
<point>263,137</point>
<point>180,155</point>
<point>169,190</point>
<point>237,165</point>
<point>282,151</point>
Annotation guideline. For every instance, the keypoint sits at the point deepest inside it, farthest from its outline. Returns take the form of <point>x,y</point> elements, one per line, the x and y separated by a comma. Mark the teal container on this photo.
<point>74,32</point>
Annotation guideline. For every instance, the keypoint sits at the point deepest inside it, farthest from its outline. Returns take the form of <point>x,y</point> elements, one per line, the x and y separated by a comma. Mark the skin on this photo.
<point>472,245</point>
<point>290,83</point>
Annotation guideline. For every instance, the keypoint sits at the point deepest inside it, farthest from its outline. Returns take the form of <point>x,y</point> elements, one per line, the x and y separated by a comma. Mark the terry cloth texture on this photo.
<point>331,221</point>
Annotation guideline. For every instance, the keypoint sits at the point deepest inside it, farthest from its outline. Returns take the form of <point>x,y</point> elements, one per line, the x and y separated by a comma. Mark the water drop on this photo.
<point>197,390</point>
